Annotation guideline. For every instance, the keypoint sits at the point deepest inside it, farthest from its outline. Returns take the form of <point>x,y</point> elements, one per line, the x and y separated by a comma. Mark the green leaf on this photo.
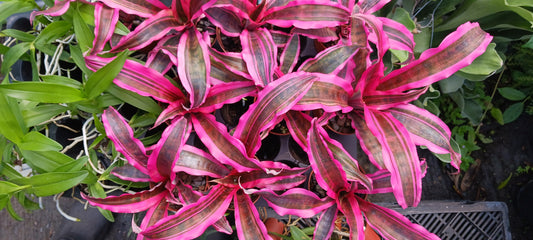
<point>11,7</point>
<point>8,171</point>
<point>73,166</point>
<point>25,202</point>
<point>12,212</point>
<point>62,80</point>
<point>298,234</point>
<point>511,94</point>
<point>505,182</point>
<point>20,35</point>
<point>402,16</point>
<point>36,141</point>
<point>53,31</point>
<point>484,65</point>
<point>36,115</point>
<point>84,34</point>
<point>497,114</point>
<point>45,161</point>
<point>42,92</point>
<point>4,199</point>
<point>451,84</point>
<point>10,121</point>
<point>8,187</point>
<point>77,57</point>
<point>529,43</point>
<point>513,112</point>
<point>14,54</point>
<point>96,190</point>
<point>102,79</point>
<point>134,99</point>
<point>47,184</point>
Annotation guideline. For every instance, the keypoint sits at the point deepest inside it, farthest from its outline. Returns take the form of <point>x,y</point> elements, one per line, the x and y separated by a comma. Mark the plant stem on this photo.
<point>491,97</point>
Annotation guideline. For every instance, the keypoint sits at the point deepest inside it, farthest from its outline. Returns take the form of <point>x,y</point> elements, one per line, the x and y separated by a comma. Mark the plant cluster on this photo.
<point>179,62</point>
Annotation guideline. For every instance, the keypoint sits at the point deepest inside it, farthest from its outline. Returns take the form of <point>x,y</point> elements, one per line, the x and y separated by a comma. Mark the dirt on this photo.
<point>511,149</point>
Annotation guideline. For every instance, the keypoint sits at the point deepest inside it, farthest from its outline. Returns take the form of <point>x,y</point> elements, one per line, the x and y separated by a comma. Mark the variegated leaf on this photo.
<point>259,52</point>
<point>330,60</point>
<point>291,53</point>
<point>194,161</point>
<point>247,220</point>
<point>192,220</point>
<point>349,206</point>
<point>142,8</point>
<point>326,223</point>
<point>399,155</point>
<point>194,66</point>
<point>130,203</point>
<point>307,14</point>
<point>457,50</point>
<point>274,100</point>
<point>392,225</point>
<point>122,136</point>
<point>296,201</point>
<point>105,19</point>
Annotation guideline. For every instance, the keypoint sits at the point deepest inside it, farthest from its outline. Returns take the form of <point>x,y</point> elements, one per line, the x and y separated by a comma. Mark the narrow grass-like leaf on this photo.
<point>99,81</point>
<point>42,92</point>
<point>84,34</point>
<point>19,35</point>
<point>47,184</point>
<point>45,161</point>
<point>12,55</point>
<point>11,7</point>
<point>9,187</point>
<point>142,102</point>
<point>36,141</point>
<point>10,122</point>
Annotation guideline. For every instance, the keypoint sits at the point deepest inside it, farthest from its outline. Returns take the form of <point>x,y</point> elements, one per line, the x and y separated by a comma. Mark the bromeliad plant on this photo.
<point>193,57</point>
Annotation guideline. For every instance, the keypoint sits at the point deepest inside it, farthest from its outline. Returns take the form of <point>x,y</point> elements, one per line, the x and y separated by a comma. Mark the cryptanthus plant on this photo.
<point>194,57</point>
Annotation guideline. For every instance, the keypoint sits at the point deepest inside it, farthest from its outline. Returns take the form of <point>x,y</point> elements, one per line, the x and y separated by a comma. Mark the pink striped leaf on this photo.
<point>189,196</point>
<point>259,52</point>
<point>299,125</point>
<point>369,143</point>
<point>167,150</point>
<point>247,219</point>
<point>151,29</point>
<point>153,215</point>
<point>60,7</point>
<point>273,101</point>
<point>281,38</point>
<point>348,163</point>
<point>224,147</point>
<point>192,220</point>
<point>328,171</point>
<point>142,80</point>
<point>194,66</point>
<point>291,53</point>
<point>371,6</point>
<point>330,95</point>
<point>231,61</point>
<point>229,20</point>
<point>193,9</point>
<point>380,101</point>
<point>286,178</point>
<point>457,50</point>
<point>307,14</point>
<point>375,34</point>
<point>174,109</point>
<point>326,223</point>
<point>169,46</point>
<point>392,225</point>
<point>159,61</point>
<point>196,162</point>
<point>130,203</point>
<point>296,201</point>
<point>105,19</point>
<point>399,155</point>
<point>142,8</point>
<point>349,206</point>
<point>227,93</point>
<point>426,129</point>
<point>130,173</point>
<point>400,38</point>
<point>319,34</point>
<point>122,136</point>
<point>330,60</point>
<point>381,183</point>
